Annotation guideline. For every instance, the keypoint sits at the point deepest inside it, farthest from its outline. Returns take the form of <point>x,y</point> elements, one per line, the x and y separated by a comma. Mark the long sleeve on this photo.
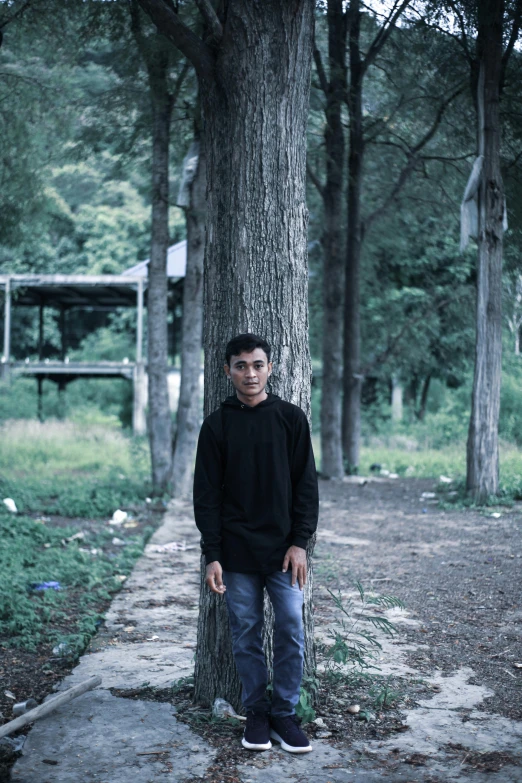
<point>208,482</point>
<point>305,493</point>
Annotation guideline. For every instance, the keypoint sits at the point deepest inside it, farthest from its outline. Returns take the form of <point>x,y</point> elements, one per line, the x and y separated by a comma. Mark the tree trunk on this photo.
<point>396,398</point>
<point>352,377</point>
<point>159,421</point>
<point>192,326</point>
<point>482,451</point>
<point>424,397</point>
<point>333,250</point>
<point>256,271</point>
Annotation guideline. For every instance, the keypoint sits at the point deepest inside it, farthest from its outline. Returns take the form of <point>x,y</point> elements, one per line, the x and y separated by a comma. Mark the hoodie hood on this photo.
<point>233,402</point>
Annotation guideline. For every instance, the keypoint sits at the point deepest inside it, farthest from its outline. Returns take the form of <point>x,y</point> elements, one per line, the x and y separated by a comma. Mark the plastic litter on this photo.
<point>10,695</point>
<point>10,505</point>
<point>119,517</point>
<point>173,546</point>
<point>77,537</point>
<point>11,745</point>
<point>63,650</point>
<point>445,480</point>
<point>496,515</point>
<point>222,709</point>
<point>40,586</point>
<point>24,706</point>
<point>428,495</point>
<point>118,542</point>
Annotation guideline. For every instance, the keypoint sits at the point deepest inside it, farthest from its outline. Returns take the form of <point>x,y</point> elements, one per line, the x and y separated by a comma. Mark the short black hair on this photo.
<point>246,343</point>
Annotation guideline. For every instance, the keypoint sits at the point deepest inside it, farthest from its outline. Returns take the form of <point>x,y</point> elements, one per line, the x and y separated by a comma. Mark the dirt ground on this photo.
<point>459,572</point>
<point>447,700</point>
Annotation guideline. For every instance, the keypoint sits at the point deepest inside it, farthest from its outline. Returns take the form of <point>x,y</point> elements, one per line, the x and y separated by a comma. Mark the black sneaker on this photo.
<point>257,732</point>
<point>288,732</point>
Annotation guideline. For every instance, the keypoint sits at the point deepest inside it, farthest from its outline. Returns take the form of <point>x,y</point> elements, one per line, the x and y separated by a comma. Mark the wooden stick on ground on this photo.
<point>49,706</point>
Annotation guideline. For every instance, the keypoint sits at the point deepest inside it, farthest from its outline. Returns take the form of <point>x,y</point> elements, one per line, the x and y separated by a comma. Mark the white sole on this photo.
<point>252,746</point>
<point>286,747</point>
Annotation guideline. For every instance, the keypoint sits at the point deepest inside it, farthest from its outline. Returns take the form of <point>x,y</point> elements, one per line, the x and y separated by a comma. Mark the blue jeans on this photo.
<point>244,596</point>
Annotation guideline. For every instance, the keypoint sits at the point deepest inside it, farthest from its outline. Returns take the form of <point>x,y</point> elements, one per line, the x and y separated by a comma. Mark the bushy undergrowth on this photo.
<point>32,553</point>
<point>74,469</point>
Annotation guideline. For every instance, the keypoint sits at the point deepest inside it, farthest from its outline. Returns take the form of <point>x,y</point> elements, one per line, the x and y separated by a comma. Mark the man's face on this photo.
<point>249,372</point>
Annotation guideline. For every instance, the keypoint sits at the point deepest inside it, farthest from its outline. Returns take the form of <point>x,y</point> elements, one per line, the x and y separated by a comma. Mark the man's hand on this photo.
<point>214,577</point>
<point>296,557</point>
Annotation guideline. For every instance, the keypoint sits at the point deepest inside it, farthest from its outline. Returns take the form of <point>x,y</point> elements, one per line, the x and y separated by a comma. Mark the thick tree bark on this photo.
<point>192,326</point>
<point>352,377</point>
<point>482,451</point>
<point>256,261</point>
<point>333,247</point>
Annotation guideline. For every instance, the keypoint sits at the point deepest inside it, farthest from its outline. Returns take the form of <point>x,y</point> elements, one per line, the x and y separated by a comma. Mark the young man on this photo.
<point>256,506</point>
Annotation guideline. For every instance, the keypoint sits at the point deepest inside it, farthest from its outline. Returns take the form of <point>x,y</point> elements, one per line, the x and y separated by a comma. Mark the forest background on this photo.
<point>75,196</point>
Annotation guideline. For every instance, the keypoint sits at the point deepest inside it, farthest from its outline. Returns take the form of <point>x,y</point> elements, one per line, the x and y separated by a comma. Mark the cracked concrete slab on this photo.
<point>98,738</point>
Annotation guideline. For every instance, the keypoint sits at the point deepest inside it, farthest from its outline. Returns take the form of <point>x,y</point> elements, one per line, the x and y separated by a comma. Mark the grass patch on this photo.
<point>81,471</point>
<point>404,455</point>
<point>74,469</point>
<point>88,570</point>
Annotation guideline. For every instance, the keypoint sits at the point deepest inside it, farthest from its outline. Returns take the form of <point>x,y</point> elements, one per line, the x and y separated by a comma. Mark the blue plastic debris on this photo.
<point>46,586</point>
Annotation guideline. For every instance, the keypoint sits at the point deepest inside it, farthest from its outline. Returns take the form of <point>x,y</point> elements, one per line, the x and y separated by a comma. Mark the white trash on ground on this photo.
<point>119,517</point>
<point>222,709</point>
<point>445,480</point>
<point>10,505</point>
<point>173,546</point>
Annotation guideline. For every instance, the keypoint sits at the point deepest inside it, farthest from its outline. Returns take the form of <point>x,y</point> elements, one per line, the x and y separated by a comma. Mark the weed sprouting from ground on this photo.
<point>354,645</point>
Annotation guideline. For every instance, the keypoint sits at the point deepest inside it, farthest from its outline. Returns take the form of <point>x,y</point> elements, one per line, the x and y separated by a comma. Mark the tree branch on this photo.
<point>515,30</point>
<point>412,159</point>
<point>17,13</point>
<point>464,38</point>
<point>323,81</point>
<point>211,18</point>
<point>384,33</point>
<point>170,25</point>
<point>394,342</point>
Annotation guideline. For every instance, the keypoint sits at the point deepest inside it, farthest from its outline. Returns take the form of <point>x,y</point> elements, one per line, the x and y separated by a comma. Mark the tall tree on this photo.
<point>352,376</point>
<point>488,63</point>
<point>256,252</point>
<point>157,55</point>
<point>193,200</point>
<point>333,86</point>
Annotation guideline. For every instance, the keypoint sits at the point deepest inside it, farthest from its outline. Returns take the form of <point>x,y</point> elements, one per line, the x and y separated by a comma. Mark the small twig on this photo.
<point>510,673</point>
<point>497,655</point>
<point>153,752</point>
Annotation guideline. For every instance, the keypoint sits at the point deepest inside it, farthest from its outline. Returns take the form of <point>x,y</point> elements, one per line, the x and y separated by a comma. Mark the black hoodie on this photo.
<point>255,484</point>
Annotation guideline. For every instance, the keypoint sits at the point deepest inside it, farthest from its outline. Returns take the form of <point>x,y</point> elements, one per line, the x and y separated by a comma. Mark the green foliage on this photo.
<point>304,708</point>
<point>355,646</point>
<point>71,469</point>
<point>32,553</point>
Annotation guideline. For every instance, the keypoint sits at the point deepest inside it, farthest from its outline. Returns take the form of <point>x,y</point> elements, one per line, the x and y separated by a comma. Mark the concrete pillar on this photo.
<point>139,323</point>
<point>396,402</point>
<point>139,384</point>
<point>6,357</point>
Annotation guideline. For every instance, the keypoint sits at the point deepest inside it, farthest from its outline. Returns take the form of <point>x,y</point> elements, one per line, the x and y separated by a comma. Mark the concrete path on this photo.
<point>149,639</point>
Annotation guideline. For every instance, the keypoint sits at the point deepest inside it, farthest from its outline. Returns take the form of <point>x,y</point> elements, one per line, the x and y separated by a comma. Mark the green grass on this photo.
<point>33,552</point>
<point>406,457</point>
<point>72,468</point>
<point>78,469</point>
